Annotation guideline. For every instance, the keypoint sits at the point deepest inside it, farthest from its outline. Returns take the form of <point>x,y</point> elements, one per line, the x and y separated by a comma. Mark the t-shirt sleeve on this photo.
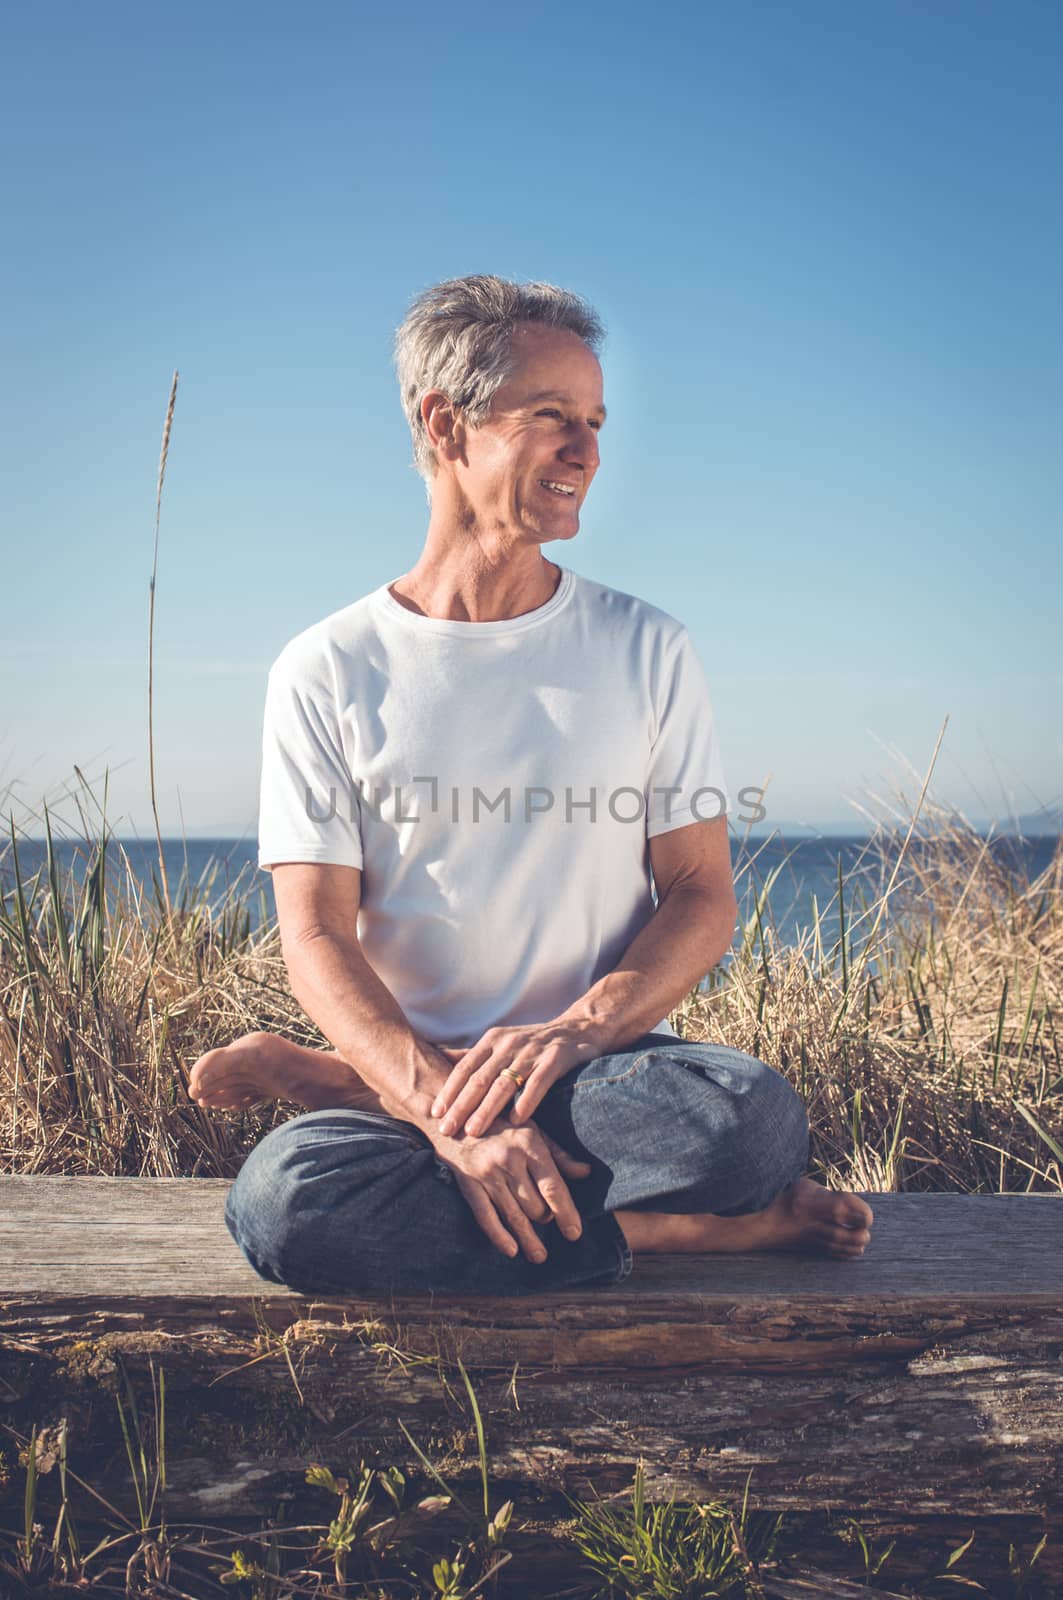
<point>308,802</point>
<point>686,778</point>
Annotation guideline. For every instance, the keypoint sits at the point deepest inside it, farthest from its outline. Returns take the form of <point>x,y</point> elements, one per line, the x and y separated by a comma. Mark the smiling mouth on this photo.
<point>563,492</point>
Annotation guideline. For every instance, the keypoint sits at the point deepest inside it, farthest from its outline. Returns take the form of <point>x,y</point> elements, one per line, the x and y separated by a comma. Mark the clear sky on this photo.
<point>826,241</point>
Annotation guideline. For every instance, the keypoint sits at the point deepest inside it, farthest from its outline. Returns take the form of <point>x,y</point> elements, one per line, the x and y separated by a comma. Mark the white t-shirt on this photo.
<point>392,740</point>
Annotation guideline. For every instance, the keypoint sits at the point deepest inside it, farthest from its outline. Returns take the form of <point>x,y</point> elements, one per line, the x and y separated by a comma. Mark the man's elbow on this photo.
<point>714,913</point>
<point>724,916</point>
<point>305,935</point>
<point>305,945</point>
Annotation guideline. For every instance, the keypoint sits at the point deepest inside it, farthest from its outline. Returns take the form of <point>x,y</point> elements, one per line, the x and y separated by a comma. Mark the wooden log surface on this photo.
<point>154,1254</point>
<point>928,1373</point>
<point>169,1235</point>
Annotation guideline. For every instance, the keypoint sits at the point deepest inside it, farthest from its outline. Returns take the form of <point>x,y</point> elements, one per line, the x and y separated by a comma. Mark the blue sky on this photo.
<point>826,242</point>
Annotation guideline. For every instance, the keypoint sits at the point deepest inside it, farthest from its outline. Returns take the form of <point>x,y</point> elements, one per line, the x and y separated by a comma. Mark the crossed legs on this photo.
<point>770,1208</point>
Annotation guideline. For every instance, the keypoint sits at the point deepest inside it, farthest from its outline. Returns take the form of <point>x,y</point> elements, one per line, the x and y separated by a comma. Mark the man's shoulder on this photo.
<point>616,608</point>
<point>314,650</point>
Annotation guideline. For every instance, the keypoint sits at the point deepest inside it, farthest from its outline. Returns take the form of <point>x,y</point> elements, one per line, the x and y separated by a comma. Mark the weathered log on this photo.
<point>925,1377</point>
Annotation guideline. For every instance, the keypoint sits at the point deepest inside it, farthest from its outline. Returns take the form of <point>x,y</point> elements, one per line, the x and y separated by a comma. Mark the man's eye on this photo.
<point>550,412</point>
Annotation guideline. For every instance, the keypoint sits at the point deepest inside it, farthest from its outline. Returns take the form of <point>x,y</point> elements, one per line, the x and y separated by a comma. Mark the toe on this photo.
<point>217,1094</point>
<point>202,1065</point>
<point>850,1241</point>
<point>852,1228</point>
<point>852,1212</point>
<point>845,1251</point>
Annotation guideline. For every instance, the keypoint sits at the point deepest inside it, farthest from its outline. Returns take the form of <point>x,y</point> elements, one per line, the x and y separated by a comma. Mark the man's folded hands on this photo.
<point>480,1087</point>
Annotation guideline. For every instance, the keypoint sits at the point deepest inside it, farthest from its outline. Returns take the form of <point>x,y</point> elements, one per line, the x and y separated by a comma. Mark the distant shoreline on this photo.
<point>793,832</point>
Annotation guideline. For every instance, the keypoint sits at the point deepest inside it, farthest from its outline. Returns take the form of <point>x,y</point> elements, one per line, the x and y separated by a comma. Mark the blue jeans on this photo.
<point>349,1202</point>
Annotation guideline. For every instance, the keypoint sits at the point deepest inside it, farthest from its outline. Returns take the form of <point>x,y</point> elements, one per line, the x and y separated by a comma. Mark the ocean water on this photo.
<point>800,876</point>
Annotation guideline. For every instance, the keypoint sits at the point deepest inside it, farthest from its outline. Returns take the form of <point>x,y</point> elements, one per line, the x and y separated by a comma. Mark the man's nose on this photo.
<point>581,448</point>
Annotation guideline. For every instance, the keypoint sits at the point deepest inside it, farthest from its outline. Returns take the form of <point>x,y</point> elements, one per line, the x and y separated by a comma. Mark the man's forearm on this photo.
<point>360,1017</point>
<point>683,940</point>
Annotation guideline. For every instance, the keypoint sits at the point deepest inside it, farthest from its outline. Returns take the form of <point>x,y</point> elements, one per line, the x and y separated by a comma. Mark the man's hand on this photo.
<point>513,1176</point>
<point>541,1052</point>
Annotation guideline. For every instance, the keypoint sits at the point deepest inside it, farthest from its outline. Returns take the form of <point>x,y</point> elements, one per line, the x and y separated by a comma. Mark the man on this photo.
<point>484,952</point>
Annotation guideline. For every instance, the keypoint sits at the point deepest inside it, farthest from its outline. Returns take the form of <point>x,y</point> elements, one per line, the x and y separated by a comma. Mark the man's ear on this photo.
<point>443,425</point>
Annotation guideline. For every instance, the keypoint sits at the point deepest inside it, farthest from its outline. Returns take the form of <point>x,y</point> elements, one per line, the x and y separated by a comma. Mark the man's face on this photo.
<point>543,427</point>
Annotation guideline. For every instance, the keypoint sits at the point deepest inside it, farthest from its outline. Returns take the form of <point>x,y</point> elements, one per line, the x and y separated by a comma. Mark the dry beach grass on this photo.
<point>924,1038</point>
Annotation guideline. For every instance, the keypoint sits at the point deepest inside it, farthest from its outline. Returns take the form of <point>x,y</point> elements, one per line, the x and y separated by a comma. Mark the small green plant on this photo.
<point>853,1533</point>
<point>33,1529</point>
<point>346,1532</point>
<point>138,1462</point>
<point>1022,1584</point>
<point>487,1531</point>
<point>669,1552</point>
<point>44,1448</point>
<point>63,1524</point>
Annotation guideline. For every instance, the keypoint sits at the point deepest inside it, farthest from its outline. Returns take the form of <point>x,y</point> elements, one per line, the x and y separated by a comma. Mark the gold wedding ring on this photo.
<point>508,1072</point>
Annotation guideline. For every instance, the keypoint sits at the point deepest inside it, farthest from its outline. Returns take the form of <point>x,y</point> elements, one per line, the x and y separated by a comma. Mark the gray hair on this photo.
<point>457,336</point>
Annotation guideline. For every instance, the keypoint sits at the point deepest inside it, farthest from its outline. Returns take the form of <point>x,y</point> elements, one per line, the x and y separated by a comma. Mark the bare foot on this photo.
<point>262,1066</point>
<point>804,1217</point>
